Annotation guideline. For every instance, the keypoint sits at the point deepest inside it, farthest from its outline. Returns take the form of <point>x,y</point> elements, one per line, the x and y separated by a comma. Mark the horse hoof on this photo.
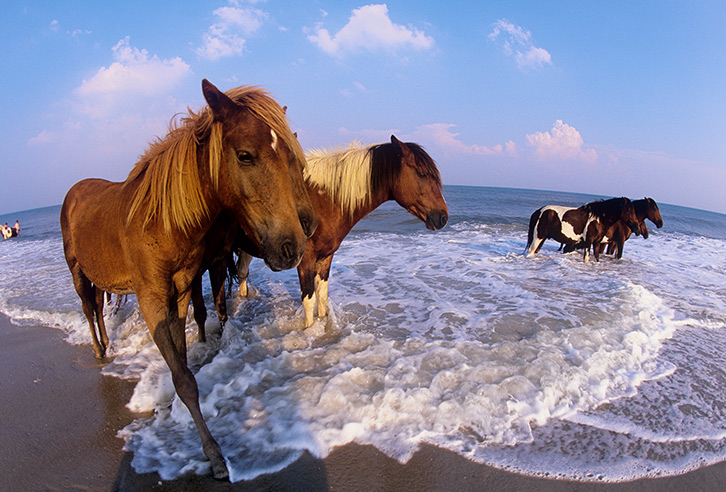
<point>220,471</point>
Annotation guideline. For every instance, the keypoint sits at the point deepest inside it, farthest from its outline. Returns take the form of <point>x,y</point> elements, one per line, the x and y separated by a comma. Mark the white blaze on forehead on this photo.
<point>274,140</point>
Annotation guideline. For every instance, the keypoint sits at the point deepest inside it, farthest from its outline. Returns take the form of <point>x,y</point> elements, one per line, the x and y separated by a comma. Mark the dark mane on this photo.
<point>643,205</point>
<point>386,165</point>
<point>600,207</point>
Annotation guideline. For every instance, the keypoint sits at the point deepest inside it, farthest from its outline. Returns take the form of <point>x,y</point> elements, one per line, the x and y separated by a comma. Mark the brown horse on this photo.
<point>346,185</point>
<point>584,226</point>
<point>218,244</point>
<point>619,232</point>
<point>146,235</point>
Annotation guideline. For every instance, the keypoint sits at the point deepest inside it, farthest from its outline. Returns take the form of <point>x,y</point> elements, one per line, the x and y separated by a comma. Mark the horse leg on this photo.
<point>322,274</point>
<point>536,246</point>
<point>217,276</point>
<point>620,245</point>
<point>243,271</point>
<point>200,310</point>
<point>99,318</point>
<point>86,291</point>
<point>167,333</point>
<point>306,275</point>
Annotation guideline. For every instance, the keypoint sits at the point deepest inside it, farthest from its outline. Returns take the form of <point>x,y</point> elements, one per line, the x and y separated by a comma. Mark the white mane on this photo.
<point>344,172</point>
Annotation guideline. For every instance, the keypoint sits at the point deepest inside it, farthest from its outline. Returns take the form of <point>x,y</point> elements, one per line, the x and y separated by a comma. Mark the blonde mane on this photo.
<point>344,172</point>
<point>167,179</point>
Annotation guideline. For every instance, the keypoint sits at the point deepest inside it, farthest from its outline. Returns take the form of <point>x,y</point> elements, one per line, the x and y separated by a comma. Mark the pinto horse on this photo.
<point>146,235</point>
<point>584,226</point>
<point>619,232</point>
<point>347,184</point>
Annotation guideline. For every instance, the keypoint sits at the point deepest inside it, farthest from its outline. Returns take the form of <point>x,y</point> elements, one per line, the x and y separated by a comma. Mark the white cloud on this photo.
<point>227,36</point>
<point>562,142</point>
<point>370,29</point>
<point>441,135</point>
<point>135,71</point>
<point>518,43</point>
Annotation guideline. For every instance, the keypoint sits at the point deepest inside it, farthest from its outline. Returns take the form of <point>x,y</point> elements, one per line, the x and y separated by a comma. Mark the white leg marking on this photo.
<point>308,305</point>
<point>321,292</point>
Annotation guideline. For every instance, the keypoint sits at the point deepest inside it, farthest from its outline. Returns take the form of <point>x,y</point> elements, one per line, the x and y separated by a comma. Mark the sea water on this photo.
<point>604,371</point>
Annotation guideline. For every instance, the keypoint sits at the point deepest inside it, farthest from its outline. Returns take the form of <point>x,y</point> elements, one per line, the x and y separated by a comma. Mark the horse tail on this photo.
<point>532,227</point>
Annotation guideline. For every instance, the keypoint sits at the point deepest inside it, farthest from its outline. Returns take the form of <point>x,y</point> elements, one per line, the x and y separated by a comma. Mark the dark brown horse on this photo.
<point>345,186</point>
<point>619,232</point>
<point>146,235</point>
<point>584,226</point>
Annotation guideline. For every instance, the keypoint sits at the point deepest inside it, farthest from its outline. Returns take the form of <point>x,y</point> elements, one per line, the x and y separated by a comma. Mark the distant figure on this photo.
<point>7,232</point>
<point>16,228</point>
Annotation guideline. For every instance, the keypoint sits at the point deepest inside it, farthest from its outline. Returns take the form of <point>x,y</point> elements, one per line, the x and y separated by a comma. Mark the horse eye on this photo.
<point>245,158</point>
<point>421,174</point>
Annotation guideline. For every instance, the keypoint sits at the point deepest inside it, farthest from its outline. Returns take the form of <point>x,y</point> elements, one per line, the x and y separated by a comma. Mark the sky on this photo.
<point>617,98</point>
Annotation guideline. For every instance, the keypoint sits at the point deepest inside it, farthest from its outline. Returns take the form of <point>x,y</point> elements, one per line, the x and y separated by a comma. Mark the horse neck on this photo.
<point>211,198</point>
<point>374,201</point>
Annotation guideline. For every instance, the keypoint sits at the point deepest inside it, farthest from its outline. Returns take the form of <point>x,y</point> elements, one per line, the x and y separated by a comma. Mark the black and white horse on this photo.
<point>579,227</point>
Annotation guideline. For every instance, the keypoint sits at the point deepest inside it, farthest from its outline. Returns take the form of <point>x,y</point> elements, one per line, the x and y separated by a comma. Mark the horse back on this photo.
<point>563,224</point>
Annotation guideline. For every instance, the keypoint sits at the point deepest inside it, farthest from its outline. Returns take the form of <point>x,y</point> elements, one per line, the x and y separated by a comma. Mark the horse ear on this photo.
<point>218,101</point>
<point>400,146</point>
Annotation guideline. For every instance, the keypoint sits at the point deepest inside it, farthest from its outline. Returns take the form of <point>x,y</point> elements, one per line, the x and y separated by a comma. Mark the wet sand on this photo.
<point>60,418</point>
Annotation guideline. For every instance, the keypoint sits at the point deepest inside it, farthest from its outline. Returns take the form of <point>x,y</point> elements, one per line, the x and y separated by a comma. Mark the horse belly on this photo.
<point>555,226</point>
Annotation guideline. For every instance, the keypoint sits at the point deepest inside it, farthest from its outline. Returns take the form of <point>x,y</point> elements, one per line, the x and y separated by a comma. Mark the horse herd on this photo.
<point>233,179</point>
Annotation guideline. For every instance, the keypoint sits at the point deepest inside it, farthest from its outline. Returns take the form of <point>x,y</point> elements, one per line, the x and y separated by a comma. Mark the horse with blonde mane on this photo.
<point>344,186</point>
<point>146,235</point>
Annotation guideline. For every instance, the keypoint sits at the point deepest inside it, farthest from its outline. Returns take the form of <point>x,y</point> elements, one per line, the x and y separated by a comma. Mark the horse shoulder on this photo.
<point>333,224</point>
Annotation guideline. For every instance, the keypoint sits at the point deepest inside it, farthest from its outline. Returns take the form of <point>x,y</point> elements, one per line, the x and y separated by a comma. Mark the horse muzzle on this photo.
<point>436,220</point>
<point>283,256</point>
<point>636,228</point>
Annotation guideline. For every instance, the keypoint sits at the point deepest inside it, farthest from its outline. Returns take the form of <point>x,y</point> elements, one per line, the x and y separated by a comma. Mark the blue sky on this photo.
<point>611,98</point>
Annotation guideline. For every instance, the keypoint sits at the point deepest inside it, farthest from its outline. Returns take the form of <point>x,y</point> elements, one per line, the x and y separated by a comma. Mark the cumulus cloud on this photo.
<point>228,35</point>
<point>369,28</point>
<point>135,71</point>
<point>562,142</point>
<point>517,42</point>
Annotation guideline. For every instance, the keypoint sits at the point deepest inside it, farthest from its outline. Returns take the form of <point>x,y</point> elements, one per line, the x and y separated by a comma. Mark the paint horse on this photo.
<point>584,226</point>
<point>619,232</point>
<point>146,235</point>
<point>347,184</point>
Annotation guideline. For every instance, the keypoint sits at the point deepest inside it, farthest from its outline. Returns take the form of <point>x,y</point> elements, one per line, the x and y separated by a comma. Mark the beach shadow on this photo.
<point>307,474</point>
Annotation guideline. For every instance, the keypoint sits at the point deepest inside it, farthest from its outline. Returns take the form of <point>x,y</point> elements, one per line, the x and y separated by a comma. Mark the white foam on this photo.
<point>544,365</point>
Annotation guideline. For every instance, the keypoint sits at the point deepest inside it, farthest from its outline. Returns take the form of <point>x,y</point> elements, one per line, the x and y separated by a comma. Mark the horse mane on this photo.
<point>606,208</point>
<point>167,174</point>
<point>352,173</point>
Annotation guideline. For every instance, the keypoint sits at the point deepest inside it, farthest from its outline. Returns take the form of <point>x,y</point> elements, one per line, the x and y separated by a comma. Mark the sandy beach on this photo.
<point>61,416</point>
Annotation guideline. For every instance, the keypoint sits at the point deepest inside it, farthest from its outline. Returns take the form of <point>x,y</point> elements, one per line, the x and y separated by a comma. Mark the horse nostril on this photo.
<point>308,227</point>
<point>288,252</point>
<point>443,220</point>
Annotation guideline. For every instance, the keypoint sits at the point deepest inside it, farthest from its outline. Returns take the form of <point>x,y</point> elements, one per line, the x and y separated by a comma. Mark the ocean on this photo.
<point>606,371</point>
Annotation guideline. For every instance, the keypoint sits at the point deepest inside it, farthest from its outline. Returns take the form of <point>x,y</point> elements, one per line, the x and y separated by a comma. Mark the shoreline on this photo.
<point>61,417</point>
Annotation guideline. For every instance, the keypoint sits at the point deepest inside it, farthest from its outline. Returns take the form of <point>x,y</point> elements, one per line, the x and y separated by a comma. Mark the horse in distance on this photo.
<point>583,226</point>
<point>345,185</point>
<point>618,233</point>
<point>146,235</point>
